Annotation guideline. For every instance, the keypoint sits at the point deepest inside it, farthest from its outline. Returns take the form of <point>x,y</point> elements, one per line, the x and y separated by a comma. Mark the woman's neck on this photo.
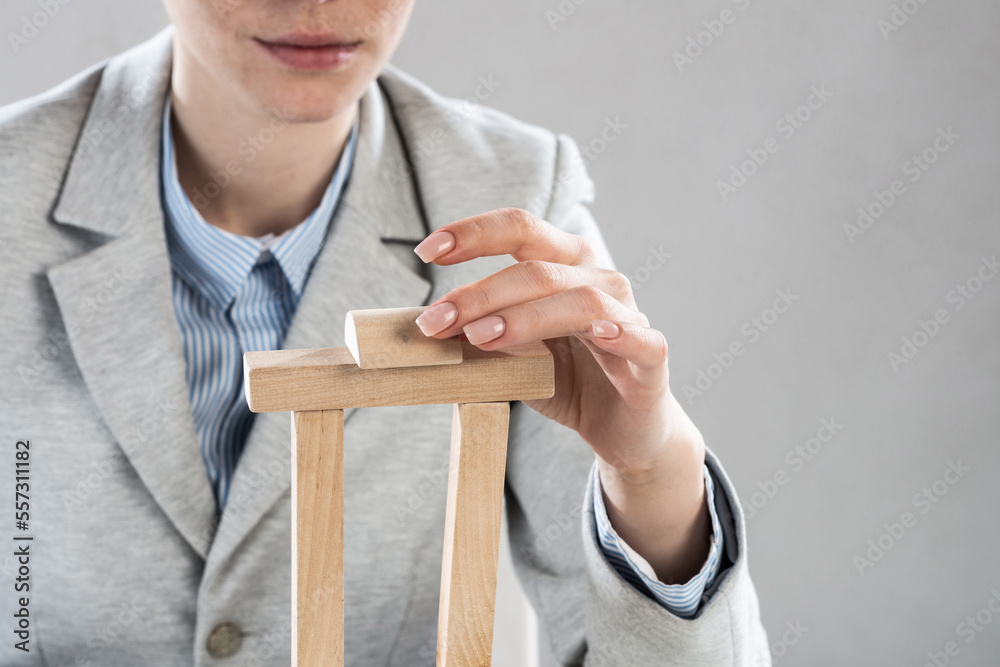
<point>246,171</point>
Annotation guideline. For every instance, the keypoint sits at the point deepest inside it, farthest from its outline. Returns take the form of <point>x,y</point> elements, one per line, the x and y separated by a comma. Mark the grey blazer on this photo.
<point>127,564</point>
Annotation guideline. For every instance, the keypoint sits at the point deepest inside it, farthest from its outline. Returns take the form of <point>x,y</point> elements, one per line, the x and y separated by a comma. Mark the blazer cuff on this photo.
<point>681,599</point>
<point>625,626</point>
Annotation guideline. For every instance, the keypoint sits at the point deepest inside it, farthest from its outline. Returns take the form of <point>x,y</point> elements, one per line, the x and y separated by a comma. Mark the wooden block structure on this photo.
<point>388,361</point>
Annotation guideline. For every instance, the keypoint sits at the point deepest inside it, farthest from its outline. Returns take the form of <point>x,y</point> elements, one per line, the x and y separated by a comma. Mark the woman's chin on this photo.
<point>297,106</point>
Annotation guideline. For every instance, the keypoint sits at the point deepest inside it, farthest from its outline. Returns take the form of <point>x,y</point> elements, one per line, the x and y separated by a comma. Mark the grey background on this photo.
<point>827,356</point>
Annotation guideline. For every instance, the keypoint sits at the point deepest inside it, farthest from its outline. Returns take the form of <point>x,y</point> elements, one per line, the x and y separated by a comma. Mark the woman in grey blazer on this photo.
<point>239,182</point>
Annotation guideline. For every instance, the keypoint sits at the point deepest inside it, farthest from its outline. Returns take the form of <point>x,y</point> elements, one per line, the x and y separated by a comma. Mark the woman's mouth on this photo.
<point>313,52</point>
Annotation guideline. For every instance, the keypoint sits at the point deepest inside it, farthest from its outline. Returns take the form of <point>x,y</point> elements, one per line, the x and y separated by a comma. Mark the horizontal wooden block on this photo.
<point>329,379</point>
<point>390,338</point>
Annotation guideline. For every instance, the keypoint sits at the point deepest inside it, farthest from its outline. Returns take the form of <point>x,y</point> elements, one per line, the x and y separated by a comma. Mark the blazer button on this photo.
<point>224,640</point>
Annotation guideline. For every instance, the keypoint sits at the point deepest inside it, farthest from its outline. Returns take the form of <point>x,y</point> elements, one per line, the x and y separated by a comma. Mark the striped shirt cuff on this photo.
<point>680,599</point>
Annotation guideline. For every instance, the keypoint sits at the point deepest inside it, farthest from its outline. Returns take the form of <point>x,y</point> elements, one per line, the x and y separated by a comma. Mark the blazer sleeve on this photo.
<point>589,615</point>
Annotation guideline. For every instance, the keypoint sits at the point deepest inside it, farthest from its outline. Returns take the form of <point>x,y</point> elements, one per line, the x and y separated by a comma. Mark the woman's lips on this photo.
<point>310,52</point>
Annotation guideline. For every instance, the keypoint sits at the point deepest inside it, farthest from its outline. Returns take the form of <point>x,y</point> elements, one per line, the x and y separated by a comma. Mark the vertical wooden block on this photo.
<point>472,534</point>
<point>318,538</point>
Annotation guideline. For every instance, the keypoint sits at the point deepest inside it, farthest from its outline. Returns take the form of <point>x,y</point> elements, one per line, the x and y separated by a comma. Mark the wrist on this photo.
<point>679,453</point>
<point>660,510</point>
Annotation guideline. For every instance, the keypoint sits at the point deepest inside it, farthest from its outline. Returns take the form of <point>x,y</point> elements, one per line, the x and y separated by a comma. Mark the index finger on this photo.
<point>505,231</point>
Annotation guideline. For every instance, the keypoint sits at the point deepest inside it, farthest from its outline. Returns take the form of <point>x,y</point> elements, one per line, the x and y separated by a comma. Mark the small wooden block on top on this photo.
<point>390,338</point>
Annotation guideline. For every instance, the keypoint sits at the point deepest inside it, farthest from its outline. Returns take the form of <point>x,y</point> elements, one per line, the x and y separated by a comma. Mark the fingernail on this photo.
<point>605,329</point>
<point>435,245</point>
<point>484,330</point>
<point>436,318</point>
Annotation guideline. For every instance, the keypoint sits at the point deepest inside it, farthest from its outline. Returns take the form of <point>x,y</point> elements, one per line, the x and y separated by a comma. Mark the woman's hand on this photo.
<point>611,382</point>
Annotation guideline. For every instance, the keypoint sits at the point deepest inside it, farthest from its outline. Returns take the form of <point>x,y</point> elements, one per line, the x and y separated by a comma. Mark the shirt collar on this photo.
<point>217,263</point>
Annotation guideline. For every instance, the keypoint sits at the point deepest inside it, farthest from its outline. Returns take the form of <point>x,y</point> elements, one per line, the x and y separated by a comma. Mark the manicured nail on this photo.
<point>605,329</point>
<point>436,318</point>
<point>435,245</point>
<point>484,330</point>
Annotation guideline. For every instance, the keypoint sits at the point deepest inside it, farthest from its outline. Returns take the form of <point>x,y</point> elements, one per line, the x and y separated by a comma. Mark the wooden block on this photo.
<point>317,635</point>
<point>390,338</point>
<point>329,379</point>
<point>472,534</point>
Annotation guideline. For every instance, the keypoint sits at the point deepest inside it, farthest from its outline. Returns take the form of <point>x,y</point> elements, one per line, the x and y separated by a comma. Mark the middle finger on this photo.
<point>525,281</point>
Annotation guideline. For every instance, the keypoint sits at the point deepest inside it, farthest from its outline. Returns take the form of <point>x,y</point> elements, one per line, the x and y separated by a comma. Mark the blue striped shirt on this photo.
<point>233,293</point>
<point>681,599</point>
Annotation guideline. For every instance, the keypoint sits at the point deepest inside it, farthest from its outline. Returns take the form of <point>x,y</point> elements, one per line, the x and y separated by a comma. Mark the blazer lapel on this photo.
<point>115,299</point>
